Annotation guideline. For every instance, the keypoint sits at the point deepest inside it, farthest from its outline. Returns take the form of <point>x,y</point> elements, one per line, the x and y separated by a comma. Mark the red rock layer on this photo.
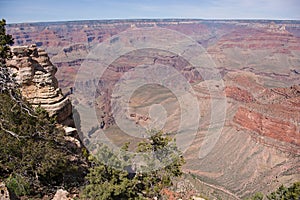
<point>278,129</point>
<point>238,94</point>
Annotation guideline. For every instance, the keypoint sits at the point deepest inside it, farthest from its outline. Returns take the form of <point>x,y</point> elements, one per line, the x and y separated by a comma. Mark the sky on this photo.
<point>19,11</point>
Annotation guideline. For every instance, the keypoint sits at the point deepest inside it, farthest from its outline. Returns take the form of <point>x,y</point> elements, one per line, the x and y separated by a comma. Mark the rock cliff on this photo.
<point>36,75</point>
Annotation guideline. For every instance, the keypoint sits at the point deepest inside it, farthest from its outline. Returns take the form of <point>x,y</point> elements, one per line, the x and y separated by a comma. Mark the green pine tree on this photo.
<point>106,182</point>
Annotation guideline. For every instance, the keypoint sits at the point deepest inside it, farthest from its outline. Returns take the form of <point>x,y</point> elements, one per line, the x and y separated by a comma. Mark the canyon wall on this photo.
<point>266,47</point>
<point>258,60</point>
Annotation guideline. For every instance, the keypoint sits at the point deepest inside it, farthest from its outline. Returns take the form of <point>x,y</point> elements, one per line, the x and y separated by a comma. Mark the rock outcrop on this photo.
<point>61,195</point>
<point>4,194</point>
<point>35,74</point>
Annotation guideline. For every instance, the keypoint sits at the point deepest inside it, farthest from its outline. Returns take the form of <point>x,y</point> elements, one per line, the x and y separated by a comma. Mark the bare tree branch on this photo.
<point>11,133</point>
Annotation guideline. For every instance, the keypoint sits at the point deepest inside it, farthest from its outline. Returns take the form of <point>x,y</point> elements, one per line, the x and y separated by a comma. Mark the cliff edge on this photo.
<point>36,75</point>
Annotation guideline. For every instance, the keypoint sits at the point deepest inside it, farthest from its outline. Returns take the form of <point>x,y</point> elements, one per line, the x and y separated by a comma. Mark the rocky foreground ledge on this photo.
<point>36,75</point>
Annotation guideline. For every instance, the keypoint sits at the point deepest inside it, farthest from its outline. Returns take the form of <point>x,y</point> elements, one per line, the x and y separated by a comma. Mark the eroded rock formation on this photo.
<point>36,75</point>
<point>267,126</point>
<point>270,112</point>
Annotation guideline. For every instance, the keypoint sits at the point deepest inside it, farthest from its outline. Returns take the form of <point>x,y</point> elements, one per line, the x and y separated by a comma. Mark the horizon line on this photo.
<point>149,19</point>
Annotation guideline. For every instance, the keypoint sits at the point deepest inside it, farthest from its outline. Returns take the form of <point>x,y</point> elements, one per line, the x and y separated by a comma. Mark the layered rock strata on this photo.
<point>36,75</point>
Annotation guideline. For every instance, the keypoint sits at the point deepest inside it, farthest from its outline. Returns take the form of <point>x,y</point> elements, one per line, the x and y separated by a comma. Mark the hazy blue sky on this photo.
<point>15,11</point>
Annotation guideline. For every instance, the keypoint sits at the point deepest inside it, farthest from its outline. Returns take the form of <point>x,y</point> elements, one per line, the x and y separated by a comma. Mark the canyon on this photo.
<point>258,62</point>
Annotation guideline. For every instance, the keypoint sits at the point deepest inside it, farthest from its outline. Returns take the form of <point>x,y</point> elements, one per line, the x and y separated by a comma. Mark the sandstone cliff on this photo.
<point>35,74</point>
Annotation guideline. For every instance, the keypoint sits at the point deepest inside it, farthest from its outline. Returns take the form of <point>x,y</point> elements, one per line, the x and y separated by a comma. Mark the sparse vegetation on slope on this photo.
<point>107,182</point>
<point>282,193</point>
<point>35,157</point>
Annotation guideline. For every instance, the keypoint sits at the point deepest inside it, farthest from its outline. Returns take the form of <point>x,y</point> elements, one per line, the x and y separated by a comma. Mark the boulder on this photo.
<point>61,195</point>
